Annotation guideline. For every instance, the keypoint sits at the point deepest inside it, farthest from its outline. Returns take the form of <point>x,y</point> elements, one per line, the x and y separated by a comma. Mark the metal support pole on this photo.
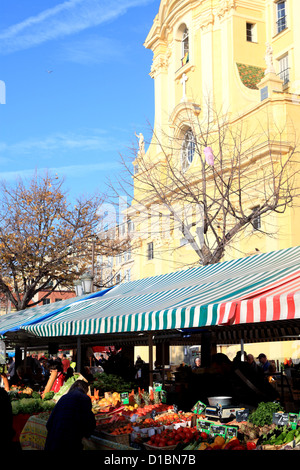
<point>78,361</point>
<point>150,343</point>
<point>242,350</point>
<point>93,265</point>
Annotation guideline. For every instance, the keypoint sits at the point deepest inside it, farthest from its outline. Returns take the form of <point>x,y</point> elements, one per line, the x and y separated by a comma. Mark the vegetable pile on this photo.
<point>263,414</point>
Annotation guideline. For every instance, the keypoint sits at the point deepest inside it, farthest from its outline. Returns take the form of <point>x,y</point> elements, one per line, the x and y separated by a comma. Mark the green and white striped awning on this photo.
<point>258,288</point>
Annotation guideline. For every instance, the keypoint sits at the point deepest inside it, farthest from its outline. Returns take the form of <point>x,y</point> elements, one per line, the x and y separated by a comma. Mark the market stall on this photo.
<point>246,300</point>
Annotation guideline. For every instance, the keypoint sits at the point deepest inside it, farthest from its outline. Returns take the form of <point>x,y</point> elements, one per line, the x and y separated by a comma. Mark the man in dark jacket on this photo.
<point>71,420</point>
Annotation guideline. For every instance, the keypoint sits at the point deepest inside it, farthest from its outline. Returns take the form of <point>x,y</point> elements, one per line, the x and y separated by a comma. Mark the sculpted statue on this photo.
<point>141,143</point>
<point>269,59</point>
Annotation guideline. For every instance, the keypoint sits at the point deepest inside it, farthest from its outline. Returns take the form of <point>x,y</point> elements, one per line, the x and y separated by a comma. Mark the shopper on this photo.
<point>71,420</point>
<point>266,365</point>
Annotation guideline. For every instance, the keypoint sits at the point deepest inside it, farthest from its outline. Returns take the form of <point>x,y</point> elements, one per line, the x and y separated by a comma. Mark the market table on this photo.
<point>34,433</point>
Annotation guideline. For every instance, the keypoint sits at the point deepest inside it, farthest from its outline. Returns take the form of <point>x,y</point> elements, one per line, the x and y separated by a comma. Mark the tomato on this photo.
<point>234,442</point>
<point>238,448</point>
<point>171,442</point>
<point>204,435</point>
<point>162,443</point>
<point>251,445</point>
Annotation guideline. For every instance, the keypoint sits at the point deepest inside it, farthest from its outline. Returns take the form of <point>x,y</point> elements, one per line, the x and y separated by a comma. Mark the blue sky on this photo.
<point>77,87</point>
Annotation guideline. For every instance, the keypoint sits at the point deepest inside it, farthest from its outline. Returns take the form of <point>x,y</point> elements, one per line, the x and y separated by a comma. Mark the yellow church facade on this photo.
<point>229,72</point>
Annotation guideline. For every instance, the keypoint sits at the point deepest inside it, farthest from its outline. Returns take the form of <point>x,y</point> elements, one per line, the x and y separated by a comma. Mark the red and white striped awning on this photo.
<point>280,300</point>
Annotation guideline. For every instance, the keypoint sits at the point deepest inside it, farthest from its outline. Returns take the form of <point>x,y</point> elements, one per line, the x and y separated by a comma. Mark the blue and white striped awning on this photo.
<point>219,294</point>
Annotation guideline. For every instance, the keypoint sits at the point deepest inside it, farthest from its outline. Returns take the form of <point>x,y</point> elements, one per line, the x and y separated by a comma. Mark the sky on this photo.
<point>74,88</point>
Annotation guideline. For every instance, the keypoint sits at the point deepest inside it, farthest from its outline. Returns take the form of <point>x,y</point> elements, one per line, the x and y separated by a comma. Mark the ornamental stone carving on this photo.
<point>224,7</point>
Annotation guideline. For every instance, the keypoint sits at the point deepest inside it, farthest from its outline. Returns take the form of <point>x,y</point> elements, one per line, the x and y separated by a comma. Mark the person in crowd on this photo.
<point>60,378</point>
<point>24,376</point>
<point>65,363</point>
<point>45,372</point>
<point>139,362</point>
<point>267,367</point>
<point>237,380</point>
<point>197,364</point>
<point>253,364</point>
<point>240,356</point>
<point>6,423</point>
<point>71,420</point>
<point>11,368</point>
<point>69,373</point>
<point>102,360</point>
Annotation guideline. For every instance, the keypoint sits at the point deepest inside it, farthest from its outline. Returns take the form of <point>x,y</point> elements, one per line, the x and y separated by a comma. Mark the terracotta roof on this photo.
<point>250,75</point>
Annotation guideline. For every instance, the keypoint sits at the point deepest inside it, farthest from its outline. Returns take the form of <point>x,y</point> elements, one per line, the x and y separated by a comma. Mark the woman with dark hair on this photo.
<point>60,377</point>
<point>71,419</point>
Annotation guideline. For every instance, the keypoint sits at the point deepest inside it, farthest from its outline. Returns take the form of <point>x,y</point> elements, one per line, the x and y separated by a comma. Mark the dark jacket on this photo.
<point>6,421</point>
<point>71,420</point>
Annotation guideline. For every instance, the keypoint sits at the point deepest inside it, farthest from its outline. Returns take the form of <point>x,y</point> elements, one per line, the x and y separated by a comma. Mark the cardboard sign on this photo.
<point>163,396</point>
<point>280,418</point>
<point>231,431</point>
<point>203,425</point>
<point>217,430</point>
<point>242,415</point>
<point>124,398</point>
<point>198,408</point>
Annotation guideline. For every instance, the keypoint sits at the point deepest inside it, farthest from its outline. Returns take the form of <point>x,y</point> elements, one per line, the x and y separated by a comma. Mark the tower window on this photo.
<point>284,72</point>
<point>251,32</point>
<point>187,149</point>
<point>185,47</point>
<point>281,16</point>
<point>256,221</point>
<point>150,251</point>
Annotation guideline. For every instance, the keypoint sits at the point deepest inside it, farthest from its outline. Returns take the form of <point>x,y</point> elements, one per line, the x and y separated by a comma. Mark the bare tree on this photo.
<point>45,240</point>
<point>214,176</point>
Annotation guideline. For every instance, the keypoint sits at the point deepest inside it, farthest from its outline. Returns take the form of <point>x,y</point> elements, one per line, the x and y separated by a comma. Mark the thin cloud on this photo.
<point>96,140</point>
<point>73,171</point>
<point>65,19</point>
<point>93,50</point>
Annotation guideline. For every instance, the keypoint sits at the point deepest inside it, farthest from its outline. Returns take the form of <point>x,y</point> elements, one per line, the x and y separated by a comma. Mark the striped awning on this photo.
<point>258,288</point>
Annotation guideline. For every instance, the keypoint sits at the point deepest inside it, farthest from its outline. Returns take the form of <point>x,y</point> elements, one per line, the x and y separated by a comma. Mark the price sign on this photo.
<point>242,415</point>
<point>293,420</point>
<point>203,425</point>
<point>231,431</point>
<point>163,396</point>
<point>280,418</point>
<point>157,387</point>
<point>124,398</point>
<point>198,408</point>
<point>217,430</point>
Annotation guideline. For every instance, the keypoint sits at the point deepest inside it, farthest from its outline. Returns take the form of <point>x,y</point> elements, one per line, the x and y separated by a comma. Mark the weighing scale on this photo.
<point>222,413</point>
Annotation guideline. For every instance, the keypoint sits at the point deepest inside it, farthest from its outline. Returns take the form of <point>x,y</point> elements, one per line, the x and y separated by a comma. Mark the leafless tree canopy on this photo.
<point>227,173</point>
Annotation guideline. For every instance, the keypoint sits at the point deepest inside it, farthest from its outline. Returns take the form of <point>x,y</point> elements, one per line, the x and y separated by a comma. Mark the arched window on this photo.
<point>187,149</point>
<point>185,47</point>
